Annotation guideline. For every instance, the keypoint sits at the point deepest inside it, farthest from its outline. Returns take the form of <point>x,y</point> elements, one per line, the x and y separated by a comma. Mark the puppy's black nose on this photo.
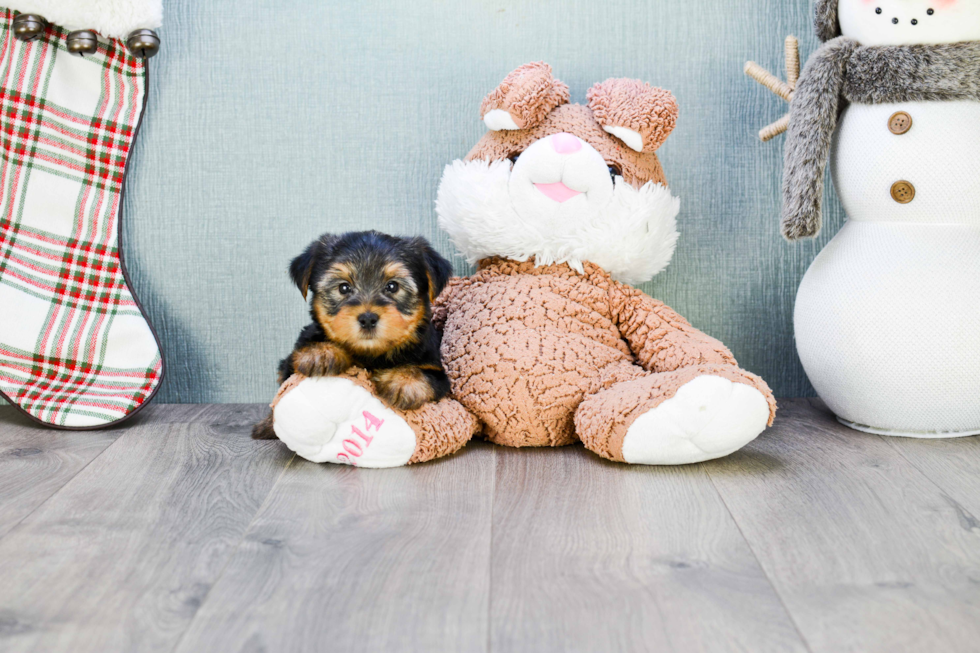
<point>368,320</point>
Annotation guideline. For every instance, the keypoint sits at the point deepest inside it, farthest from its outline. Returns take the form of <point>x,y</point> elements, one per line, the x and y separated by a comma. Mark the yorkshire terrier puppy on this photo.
<point>371,308</point>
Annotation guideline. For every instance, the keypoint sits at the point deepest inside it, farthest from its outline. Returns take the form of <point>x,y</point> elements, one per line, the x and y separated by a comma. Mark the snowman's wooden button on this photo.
<point>900,123</point>
<point>903,192</point>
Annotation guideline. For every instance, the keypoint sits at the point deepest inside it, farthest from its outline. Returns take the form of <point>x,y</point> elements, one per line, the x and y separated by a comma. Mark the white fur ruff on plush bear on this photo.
<point>629,232</point>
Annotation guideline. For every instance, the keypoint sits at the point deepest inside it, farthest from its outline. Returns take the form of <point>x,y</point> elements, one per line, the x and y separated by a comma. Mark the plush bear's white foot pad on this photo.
<point>333,420</point>
<point>708,418</point>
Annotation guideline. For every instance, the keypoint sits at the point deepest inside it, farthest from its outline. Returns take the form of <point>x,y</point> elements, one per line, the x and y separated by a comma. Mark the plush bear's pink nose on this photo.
<point>566,143</point>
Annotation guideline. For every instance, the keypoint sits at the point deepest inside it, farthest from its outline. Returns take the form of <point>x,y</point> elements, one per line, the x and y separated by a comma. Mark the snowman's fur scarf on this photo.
<point>632,238</point>
<point>826,20</point>
<point>816,105</point>
<point>111,18</point>
<point>914,73</point>
<point>843,71</point>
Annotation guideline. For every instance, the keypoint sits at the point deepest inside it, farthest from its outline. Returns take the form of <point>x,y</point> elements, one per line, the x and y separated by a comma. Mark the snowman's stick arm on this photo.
<point>770,81</point>
<point>785,90</point>
<point>792,61</point>
<point>775,129</point>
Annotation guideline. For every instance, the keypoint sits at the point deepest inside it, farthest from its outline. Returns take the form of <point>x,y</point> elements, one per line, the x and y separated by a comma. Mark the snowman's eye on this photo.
<point>894,21</point>
<point>878,10</point>
<point>930,11</point>
<point>915,22</point>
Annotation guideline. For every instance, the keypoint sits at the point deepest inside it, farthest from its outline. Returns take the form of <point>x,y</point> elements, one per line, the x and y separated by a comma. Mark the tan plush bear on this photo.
<point>560,206</point>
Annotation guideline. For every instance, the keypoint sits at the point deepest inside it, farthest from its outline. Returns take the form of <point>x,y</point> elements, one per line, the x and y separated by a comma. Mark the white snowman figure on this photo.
<point>887,317</point>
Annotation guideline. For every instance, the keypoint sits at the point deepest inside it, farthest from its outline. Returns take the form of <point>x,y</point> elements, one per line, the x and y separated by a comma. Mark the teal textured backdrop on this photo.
<point>271,121</point>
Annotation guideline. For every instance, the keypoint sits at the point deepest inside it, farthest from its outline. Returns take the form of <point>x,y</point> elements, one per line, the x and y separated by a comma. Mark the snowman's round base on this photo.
<point>926,435</point>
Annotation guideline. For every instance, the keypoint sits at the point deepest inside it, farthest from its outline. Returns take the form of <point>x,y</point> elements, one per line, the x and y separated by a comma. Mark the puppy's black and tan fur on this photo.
<point>371,308</point>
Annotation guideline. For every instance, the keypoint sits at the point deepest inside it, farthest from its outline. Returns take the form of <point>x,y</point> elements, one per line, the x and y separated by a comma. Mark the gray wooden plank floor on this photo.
<point>590,555</point>
<point>347,559</point>
<point>175,532</point>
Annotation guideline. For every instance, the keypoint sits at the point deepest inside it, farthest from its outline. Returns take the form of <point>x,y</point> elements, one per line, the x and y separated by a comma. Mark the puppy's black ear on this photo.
<point>301,269</point>
<point>437,268</point>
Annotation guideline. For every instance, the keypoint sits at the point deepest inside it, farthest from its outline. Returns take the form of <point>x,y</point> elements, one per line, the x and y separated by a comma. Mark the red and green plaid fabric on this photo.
<point>75,348</point>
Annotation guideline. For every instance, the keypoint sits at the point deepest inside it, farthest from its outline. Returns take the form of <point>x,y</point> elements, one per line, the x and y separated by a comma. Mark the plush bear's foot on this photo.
<point>330,419</point>
<point>708,418</point>
<point>651,421</point>
<point>338,419</point>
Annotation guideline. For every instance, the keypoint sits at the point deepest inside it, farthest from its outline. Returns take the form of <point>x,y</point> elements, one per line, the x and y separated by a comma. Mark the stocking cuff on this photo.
<point>111,18</point>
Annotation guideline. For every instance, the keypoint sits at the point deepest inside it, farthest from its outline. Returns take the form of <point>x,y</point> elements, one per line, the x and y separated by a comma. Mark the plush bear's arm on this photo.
<point>661,340</point>
<point>440,307</point>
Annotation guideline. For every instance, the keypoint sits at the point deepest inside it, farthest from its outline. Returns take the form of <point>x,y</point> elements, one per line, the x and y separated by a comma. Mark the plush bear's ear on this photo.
<point>640,115</point>
<point>437,268</point>
<point>301,268</point>
<point>524,98</point>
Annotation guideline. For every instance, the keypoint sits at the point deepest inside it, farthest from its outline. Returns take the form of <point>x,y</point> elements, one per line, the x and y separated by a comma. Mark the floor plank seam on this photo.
<point>493,503</point>
<point>231,554</point>
<point>755,556</point>
<point>655,599</point>
<point>60,489</point>
<point>959,505</point>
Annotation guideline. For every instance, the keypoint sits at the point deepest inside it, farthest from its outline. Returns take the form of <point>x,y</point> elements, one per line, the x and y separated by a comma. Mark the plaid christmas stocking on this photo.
<point>76,350</point>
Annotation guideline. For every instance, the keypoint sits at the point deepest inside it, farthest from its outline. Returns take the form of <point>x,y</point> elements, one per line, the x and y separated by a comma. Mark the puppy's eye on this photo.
<point>344,289</point>
<point>614,172</point>
<point>391,287</point>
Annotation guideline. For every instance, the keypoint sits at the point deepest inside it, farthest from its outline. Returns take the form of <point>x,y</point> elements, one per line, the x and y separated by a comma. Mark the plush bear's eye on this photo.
<point>614,172</point>
<point>513,158</point>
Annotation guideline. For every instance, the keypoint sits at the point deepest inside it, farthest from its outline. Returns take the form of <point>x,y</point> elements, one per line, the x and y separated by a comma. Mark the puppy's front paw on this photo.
<point>405,388</point>
<point>321,359</point>
<point>264,430</point>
